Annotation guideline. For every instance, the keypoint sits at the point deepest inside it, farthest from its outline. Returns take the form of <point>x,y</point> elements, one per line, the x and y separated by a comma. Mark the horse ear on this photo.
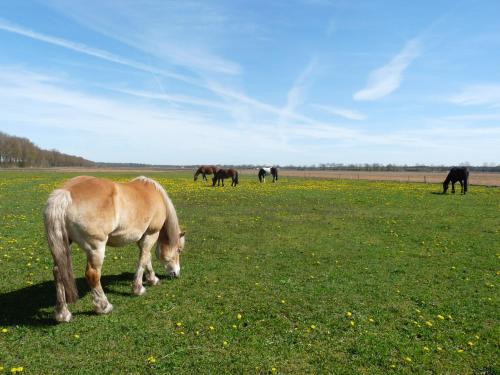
<point>182,234</point>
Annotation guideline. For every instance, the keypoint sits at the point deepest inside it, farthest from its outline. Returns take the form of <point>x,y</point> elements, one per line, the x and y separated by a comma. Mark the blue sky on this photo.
<point>259,82</point>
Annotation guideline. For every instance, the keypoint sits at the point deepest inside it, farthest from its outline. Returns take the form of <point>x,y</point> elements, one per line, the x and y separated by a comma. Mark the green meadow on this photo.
<point>303,276</point>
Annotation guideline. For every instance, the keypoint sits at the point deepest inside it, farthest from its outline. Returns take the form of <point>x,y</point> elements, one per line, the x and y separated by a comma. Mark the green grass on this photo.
<point>293,258</point>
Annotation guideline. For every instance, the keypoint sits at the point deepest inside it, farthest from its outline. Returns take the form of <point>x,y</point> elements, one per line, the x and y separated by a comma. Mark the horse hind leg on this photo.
<point>453,187</point>
<point>95,258</point>
<point>145,244</point>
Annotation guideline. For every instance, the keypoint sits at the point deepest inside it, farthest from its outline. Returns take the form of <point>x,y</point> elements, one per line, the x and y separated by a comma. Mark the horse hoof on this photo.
<point>62,316</point>
<point>106,310</point>
<point>139,291</point>
<point>154,281</point>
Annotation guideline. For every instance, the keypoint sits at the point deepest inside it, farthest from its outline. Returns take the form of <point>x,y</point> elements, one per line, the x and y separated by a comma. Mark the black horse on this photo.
<point>221,174</point>
<point>460,174</point>
<point>263,172</point>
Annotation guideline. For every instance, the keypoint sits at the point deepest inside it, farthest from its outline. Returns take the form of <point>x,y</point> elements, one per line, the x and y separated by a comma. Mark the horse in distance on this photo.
<point>204,170</point>
<point>263,172</point>
<point>223,174</point>
<point>95,212</point>
<point>460,174</point>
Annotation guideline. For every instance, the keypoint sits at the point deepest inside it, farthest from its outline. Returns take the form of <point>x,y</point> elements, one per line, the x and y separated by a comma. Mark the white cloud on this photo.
<point>488,95</point>
<point>387,78</point>
<point>342,112</point>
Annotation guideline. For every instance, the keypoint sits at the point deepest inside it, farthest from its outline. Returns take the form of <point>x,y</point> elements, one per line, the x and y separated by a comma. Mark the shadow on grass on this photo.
<point>33,305</point>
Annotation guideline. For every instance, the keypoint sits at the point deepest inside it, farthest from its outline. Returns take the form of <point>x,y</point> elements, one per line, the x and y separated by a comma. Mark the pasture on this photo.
<point>300,276</point>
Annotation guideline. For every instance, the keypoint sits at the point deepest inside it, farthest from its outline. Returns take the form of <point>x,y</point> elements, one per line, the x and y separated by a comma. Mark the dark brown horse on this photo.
<point>460,174</point>
<point>204,170</point>
<point>225,173</point>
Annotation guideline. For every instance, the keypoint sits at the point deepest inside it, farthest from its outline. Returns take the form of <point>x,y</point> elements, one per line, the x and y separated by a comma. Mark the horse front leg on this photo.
<point>144,263</point>
<point>453,187</point>
<point>204,177</point>
<point>461,187</point>
<point>95,258</point>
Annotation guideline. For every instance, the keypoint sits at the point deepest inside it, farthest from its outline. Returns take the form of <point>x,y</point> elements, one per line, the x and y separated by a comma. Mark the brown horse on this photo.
<point>204,170</point>
<point>95,212</point>
<point>225,173</point>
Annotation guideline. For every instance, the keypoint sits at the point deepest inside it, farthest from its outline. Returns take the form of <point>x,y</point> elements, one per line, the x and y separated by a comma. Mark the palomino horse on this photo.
<point>95,212</point>
<point>225,173</point>
<point>263,172</point>
<point>460,174</point>
<point>204,170</point>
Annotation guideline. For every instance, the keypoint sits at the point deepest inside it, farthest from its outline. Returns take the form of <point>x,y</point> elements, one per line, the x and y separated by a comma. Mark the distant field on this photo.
<point>302,276</point>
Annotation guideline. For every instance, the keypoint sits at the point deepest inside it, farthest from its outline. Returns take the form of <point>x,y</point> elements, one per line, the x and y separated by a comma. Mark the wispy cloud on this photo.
<point>488,95</point>
<point>159,28</point>
<point>330,27</point>
<point>387,78</point>
<point>87,50</point>
<point>297,93</point>
<point>342,112</point>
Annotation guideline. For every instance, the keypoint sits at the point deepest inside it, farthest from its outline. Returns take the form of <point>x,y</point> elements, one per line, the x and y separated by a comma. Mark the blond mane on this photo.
<point>171,223</point>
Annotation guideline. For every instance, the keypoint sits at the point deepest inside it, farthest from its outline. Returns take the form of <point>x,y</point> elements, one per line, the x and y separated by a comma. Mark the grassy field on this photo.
<point>302,276</point>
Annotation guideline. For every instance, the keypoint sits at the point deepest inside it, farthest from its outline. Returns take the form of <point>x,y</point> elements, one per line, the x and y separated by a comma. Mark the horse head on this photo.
<point>168,252</point>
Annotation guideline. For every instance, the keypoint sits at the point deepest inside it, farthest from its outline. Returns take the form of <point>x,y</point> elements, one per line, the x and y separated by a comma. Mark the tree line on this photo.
<point>21,152</point>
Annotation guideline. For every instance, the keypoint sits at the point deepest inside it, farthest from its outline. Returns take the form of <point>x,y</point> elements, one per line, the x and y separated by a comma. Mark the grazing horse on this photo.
<point>460,174</point>
<point>263,172</point>
<point>204,170</point>
<point>225,173</point>
<point>95,212</point>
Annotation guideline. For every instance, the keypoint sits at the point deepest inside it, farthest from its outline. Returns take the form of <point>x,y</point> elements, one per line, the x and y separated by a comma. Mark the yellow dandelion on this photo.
<point>151,360</point>
<point>428,323</point>
<point>211,328</point>
<point>5,330</point>
<point>426,348</point>
<point>460,350</point>
<point>178,324</point>
<point>225,343</point>
<point>76,336</point>
<point>477,337</point>
<point>408,359</point>
<point>470,343</point>
<point>449,317</point>
<point>238,316</point>
<point>181,333</point>
<point>313,326</point>
<point>440,317</point>
<point>274,370</point>
<point>439,348</point>
<point>371,320</point>
<point>283,301</point>
<point>197,333</point>
<point>348,314</point>
<point>352,323</point>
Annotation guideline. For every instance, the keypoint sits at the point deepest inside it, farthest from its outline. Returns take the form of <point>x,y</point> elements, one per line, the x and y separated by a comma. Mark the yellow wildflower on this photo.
<point>178,324</point>
<point>348,314</point>
<point>238,316</point>
<point>440,317</point>
<point>151,360</point>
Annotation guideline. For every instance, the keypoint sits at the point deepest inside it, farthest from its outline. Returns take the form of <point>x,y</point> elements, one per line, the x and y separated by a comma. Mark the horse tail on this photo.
<point>236,178</point>
<point>276,171</point>
<point>57,237</point>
